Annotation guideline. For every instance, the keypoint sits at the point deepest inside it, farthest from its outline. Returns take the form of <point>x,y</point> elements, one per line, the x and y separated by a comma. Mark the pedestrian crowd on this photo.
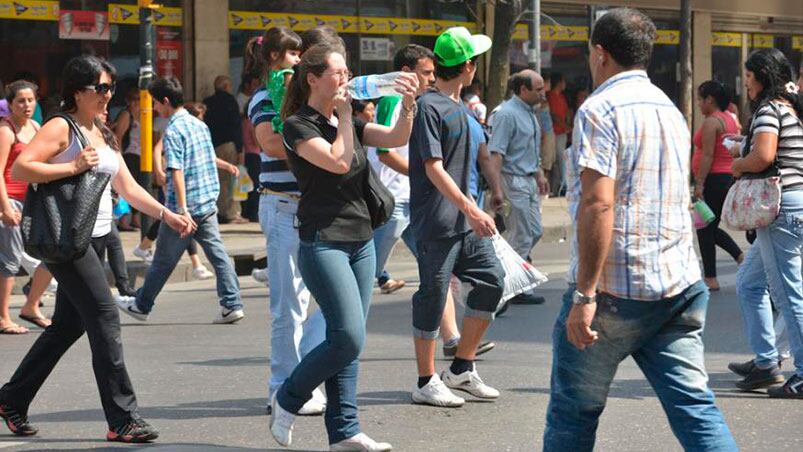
<point>338,182</point>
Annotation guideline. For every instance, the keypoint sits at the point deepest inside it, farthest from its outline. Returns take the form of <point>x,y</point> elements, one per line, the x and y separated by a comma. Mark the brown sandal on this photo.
<point>41,322</point>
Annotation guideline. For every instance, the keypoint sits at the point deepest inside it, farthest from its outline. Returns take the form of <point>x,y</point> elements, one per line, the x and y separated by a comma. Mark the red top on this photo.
<point>559,107</point>
<point>14,188</point>
<point>722,158</point>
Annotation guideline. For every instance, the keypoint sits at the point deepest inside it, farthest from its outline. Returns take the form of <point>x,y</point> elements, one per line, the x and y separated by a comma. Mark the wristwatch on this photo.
<point>181,210</point>
<point>580,298</point>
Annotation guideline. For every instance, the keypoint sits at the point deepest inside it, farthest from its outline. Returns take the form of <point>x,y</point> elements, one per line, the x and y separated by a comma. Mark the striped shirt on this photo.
<point>790,141</point>
<point>274,174</point>
<point>188,148</point>
<point>630,131</point>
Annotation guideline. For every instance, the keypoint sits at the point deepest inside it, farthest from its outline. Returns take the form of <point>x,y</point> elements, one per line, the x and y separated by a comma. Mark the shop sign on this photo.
<point>376,49</point>
<point>763,41</point>
<point>29,10</point>
<point>797,42</point>
<point>668,37</point>
<point>169,58</point>
<point>93,25</point>
<point>129,15</point>
<point>726,39</point>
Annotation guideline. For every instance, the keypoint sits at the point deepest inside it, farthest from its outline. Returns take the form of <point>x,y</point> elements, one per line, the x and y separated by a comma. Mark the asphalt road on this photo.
<point>204,386</point>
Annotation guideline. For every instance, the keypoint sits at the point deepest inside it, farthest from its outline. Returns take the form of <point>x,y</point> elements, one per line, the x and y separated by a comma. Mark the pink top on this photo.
<point>722,158</point>
<point>249,138</point>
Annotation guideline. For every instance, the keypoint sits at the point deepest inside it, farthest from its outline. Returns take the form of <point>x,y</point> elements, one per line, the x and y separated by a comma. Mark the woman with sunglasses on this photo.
<point>336,256</point>
<point>83,301</point>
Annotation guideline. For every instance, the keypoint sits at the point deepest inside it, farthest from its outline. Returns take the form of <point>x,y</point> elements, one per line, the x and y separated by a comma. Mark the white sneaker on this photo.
<point>470,382</point>
<point>360,443</point>
<point>436,393</point>
<point>129,306</point>
<point>260,275</point>
<point>281,423</point>
<point>228,316</point>
<point>52,286</point>
<point>145,255</point>
<point>202,273</point>
<point>314,406</point>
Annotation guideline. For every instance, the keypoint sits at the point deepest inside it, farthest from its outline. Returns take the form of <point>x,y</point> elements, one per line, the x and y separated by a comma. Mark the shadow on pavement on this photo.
<point>196,410</point>
<point>153,447</point>
<point>231,362</point>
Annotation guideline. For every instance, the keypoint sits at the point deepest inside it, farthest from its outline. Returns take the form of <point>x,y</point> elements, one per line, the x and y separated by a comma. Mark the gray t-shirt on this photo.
<point>517,136</point>
<point>440,131</point>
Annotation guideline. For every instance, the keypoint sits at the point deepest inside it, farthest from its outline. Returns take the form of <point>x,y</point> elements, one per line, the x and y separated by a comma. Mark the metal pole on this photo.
<point>685,61</point>
<point>146,51</point>
<point>535,36</point>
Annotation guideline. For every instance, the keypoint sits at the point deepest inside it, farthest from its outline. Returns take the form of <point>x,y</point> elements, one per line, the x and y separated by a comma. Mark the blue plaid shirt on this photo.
<point>188,147</point>
<point>630,131</point>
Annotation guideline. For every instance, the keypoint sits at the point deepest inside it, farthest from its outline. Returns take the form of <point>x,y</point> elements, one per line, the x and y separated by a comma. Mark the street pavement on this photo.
<point>204,386</point>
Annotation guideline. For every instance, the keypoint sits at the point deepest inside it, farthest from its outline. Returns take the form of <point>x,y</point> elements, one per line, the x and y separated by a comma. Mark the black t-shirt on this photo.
<point>440,131</point>
<point>331,204</point>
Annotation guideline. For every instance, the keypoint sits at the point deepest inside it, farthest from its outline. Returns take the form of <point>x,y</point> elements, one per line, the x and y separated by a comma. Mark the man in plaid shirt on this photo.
<point>635,287</point>
<point>192,190</point>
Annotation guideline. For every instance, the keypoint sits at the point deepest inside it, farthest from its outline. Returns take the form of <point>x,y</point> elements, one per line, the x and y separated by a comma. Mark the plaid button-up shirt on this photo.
<point>630,131</point>
<point>188,147</point>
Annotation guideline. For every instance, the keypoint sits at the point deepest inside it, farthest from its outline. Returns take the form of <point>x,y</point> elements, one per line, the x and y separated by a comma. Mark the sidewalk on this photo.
<point>246,245</point>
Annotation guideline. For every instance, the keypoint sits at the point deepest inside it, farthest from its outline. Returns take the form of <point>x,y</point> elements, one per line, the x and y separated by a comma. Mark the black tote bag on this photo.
<point>58,217</point>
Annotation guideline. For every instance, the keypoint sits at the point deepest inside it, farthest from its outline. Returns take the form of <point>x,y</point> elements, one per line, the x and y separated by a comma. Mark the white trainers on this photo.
<point>470,382</point>
<point>360,443</point>
<point>228,316</point>
<point>314,406</point>
<point>281,423</point>
<point>129,306</point>
<point>145,255</point>
<point>436,393</point>
<point>202,273</point>
<point>260,275</point>
<point>52,286</point>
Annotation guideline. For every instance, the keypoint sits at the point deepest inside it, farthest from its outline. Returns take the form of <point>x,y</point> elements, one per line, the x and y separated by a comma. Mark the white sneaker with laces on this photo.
<point>129,306</point>
<point>436,393</point>
<point>360,443</point>
<point>260,275</point>
<point>281,423</point>
<point>145,255</point>
<point>314,406</point>
<point>228,316</point>
<point>202,273</point>
<point>470,382</point>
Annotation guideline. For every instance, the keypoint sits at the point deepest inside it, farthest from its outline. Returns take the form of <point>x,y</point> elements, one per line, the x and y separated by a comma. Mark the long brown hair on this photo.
<point>314,61</point>
<point>257,59</point>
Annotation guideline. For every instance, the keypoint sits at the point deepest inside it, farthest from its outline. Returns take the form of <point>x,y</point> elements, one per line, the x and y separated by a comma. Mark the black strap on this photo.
<point>73,128</point>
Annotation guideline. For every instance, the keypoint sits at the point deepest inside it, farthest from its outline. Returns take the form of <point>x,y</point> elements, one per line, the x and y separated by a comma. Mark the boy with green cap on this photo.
<point>452,232</point>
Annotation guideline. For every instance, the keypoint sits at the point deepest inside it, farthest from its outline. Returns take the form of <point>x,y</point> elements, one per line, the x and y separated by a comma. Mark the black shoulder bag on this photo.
<point>58,217</point>
<point>378,198</point>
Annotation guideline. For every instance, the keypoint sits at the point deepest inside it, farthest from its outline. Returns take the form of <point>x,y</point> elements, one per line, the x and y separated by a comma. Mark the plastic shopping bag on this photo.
<point>520,275</point>
<point>121,208</point>
<point>243,185</point>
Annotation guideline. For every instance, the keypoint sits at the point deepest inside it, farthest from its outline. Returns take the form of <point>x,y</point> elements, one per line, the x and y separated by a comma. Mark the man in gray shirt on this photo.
<point>515,148</point>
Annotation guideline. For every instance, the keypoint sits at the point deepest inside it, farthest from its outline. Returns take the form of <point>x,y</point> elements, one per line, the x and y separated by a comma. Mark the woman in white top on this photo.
<point>84,301</point>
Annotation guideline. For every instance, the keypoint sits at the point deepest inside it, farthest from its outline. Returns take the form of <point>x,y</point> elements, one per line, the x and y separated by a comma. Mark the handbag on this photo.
<point>754,200</point>
<point>58,217</point>
<point>378,198</point>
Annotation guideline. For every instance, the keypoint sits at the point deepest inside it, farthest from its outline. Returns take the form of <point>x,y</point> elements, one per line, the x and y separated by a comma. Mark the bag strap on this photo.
<point>82,140</point>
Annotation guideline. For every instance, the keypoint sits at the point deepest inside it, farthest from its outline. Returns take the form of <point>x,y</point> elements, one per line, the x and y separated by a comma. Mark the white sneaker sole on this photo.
<point>289,441</point>
<point>475,394</point>
<point>420,400</point>
<point>133,315</point>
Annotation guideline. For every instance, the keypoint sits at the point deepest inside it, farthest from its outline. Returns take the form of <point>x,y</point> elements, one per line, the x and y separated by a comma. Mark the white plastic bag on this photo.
<point>520,275</point>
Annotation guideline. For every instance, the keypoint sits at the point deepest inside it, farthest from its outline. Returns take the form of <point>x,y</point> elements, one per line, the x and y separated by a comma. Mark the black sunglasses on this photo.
<point>102,88</point>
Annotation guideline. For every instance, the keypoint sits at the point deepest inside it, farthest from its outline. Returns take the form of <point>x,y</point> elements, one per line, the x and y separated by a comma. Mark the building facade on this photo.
<point>197,40</point>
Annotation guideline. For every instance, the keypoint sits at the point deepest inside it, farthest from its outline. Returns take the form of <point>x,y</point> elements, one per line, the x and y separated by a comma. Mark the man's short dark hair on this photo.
<point>555,78</point>
<point>450,72</point>
<point>519,80</point>
<point>627,34</point>
<point>167,87</point>
<point>409,56</point>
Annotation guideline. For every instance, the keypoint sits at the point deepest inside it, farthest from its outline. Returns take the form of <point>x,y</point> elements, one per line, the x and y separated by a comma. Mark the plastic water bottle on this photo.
<point>373,86</point>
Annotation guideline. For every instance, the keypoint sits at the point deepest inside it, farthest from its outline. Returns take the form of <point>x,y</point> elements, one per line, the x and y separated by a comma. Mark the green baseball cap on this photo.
<point>457,45</point>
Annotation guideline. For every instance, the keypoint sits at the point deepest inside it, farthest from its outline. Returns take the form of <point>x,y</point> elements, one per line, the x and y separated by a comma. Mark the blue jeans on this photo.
<point>292,335</point>
<point>169,249</point>
<point>775,260</point>
<point>340,276</point>
<point>471,259</point>
<point>387,235</point>
<point>664,337</point>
